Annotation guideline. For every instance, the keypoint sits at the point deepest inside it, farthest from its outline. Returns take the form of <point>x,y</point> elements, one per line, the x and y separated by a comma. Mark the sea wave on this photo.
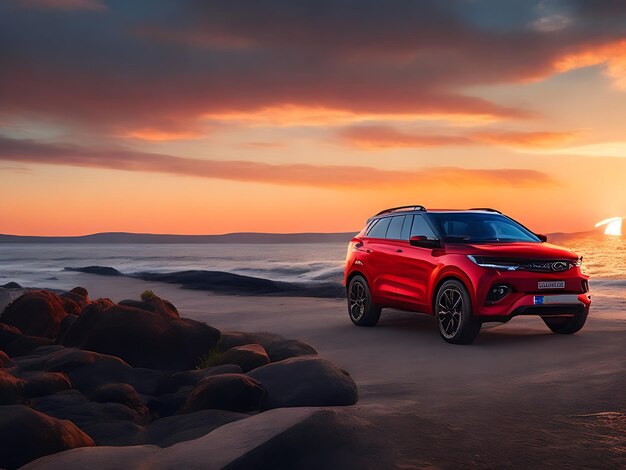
<point>226,283</point>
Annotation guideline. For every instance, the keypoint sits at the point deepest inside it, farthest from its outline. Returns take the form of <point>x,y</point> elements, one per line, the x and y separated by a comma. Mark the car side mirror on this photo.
<point>423,242</point>
<point>543,238</point>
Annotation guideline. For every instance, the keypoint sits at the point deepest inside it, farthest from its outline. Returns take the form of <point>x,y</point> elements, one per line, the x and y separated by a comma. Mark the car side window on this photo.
<point>421,228</point>
<point>406,227</point>
<point>394,231</point>
<point>369,227</point>
<point>379,229</point>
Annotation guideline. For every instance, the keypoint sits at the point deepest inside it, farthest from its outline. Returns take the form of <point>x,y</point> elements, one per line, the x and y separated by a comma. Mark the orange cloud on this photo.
<point>535,139</point>
<point>321,176</point>
<point>612,54</point>
<point>303,115</point>
<point>383,137</point>
<point>158,135</point>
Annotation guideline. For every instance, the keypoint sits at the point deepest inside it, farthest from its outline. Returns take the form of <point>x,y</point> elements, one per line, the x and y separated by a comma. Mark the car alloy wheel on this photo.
<point>357,301</point>
<point>449,311</point>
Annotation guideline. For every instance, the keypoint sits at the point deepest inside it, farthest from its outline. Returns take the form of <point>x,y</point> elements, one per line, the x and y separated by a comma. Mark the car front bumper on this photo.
<point>545,305</point>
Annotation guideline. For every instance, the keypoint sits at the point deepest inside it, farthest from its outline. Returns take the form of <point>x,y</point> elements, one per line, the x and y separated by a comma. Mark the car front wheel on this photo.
<point>453,311</point>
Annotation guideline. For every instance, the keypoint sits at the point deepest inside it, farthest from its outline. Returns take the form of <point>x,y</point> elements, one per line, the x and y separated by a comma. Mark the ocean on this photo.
<point>43,265</point>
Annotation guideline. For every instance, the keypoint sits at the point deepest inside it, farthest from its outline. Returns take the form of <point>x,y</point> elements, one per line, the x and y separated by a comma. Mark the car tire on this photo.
<point>568,325</point>
<point>361,309</point>
<point>453,313</point>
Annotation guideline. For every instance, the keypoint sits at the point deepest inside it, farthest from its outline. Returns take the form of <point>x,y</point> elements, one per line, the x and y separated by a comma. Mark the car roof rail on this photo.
<point>414,207</point>
<point>486,209</point>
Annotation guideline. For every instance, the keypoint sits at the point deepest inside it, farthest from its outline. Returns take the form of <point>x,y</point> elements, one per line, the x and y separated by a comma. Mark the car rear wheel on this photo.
<point>453,311</point>
<point>567,325</point>
<point>362,311</point>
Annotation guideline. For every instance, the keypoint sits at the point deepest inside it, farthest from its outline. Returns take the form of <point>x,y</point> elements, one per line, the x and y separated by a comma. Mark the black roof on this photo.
<point>419,208</point>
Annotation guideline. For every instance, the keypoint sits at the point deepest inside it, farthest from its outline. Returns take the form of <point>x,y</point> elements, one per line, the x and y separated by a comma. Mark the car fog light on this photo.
<point>498,292</point>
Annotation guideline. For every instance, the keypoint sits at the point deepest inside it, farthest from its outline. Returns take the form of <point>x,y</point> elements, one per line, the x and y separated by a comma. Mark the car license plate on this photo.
<point>551,285</point>
<point>555,299</point>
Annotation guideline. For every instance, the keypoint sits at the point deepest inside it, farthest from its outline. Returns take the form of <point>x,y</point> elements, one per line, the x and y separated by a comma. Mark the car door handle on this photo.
<point>399,250</point>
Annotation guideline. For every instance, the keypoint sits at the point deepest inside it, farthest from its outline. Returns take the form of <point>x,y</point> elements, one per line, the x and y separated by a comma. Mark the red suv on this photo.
<point>464,267</point>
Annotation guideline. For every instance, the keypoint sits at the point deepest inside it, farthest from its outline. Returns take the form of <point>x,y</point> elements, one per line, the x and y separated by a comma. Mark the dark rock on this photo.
<point>49,403</point>
<point>26,435</point>
<point>11,388</point>
<point>44,350</point>
<point>231,392</point>
<point>79,295</point>
<point>153,303</point>
<point>14,343</point>
<point>44,383</point>
<point>66,323</point>
<point>80,300</point>
<point>120,393</point>
<point>98,305</point>
<point>89,370</point>
<point>115,433</point>
<point>102,270</point>
<point>302,438</point>
<point>117,393</point>
<point>89,413</point>
<point>277,347</point>
<point>80,291</point>
<point>70,306</point>
<point>192,377</point>
<point>36,313</point>
<point>142,338</point>
<point>305,381</point>
<point>161,432</point>
<point>5,360</point>
<point>98,420</point>
<point>11,285</point>
<point>8,334</point>
<point>247,357</point>
<point>235,284</point>
<point>168,404</point>
<point>325,439</point>
<point>173,429</point>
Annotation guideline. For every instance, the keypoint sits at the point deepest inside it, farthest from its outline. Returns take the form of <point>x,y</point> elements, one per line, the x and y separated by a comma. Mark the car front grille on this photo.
<point>546,266</point>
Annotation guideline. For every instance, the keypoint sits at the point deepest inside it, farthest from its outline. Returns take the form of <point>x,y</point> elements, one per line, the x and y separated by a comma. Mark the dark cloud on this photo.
<point>65,5</point>
<point>25,152</point>
<point>163,65</point>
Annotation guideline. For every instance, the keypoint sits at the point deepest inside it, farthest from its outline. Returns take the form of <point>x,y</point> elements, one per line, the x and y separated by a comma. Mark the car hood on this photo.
<point>512,250</point>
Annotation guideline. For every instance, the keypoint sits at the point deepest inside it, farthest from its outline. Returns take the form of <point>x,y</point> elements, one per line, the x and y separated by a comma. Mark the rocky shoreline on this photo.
<point>81,373</point>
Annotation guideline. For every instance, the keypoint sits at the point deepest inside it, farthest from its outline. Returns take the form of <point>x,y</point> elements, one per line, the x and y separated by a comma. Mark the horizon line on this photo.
<point>214,234</point>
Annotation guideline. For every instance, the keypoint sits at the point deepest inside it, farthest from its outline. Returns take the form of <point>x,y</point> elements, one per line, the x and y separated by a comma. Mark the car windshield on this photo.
<point>477,227</point>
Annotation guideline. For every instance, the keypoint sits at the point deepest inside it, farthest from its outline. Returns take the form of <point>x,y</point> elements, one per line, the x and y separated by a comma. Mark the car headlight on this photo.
<point>492,263</point>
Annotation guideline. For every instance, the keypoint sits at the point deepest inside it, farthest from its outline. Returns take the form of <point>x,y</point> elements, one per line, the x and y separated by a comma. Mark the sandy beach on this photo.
<point>520,397</point>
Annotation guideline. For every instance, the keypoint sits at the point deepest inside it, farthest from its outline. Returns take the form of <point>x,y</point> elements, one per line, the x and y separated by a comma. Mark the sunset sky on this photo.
<point>207,117</point>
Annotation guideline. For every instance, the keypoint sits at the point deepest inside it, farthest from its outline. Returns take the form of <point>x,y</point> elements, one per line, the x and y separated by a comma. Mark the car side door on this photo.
<point>414,268</point>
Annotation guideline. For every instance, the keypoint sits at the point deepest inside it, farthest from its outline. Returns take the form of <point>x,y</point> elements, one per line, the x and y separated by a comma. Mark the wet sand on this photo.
<point>519,397</point>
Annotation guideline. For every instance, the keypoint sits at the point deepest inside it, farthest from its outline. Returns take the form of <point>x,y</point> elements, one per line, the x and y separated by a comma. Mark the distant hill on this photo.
<point>564,236</point>
<point>242,237</point>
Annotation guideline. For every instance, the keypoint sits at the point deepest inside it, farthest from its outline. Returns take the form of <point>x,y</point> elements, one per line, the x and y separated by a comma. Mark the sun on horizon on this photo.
<point>613,226</point>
